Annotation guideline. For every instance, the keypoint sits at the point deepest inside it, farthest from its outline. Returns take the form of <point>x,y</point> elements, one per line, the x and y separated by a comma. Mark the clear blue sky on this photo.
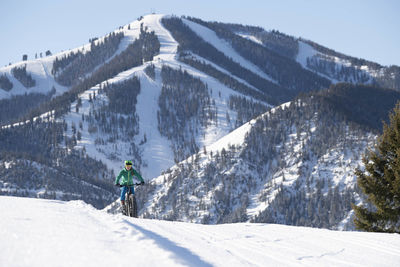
<point>368,29</point>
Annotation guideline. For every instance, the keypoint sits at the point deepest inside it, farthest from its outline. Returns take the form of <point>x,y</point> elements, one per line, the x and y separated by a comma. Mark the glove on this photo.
<point>142,182</point>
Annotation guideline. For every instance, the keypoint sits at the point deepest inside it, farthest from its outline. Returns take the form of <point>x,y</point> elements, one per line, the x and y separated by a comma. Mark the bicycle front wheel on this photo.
<point>132,208</point>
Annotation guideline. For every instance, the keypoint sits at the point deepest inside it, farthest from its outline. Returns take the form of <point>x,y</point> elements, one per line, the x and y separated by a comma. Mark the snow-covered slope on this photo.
<point>55,233</point>
<point>305,52</point>
<point>210,36</point>
<point>157,153</point>
<point>41,68</point>
<point>279,167</point>
<point>250,37</point>
<point>334,67</point>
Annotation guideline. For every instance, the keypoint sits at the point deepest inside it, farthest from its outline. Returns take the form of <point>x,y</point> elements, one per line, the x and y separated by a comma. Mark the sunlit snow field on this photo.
<point>37,232</point>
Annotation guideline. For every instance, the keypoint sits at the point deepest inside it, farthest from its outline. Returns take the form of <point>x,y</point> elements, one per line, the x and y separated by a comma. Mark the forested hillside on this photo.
<point>288,73</point>
<point>45,151</point>
<point>71,68</point>
<point>295,166</point>
<point>189,41</point>
<point>34,163</point>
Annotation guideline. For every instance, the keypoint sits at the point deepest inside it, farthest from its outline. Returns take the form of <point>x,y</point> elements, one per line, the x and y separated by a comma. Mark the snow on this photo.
<point>211,37</point>
<point>206,61</point>
<point>157,149</point>
<point>40,70</point>
<point>48,116</point>
<point>37,232</point>
<point>250,37</point>
<point>305,51</point>
<point>237,136</point>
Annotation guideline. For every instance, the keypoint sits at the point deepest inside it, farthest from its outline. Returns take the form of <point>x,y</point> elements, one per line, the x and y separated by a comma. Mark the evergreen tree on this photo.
<point>381,183</point>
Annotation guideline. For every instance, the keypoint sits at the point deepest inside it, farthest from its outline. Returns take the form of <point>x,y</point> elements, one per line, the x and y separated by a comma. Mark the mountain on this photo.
<point>226,122</point>
<point>292,165</point>
<point>38,232</point>
<point>321,60</point>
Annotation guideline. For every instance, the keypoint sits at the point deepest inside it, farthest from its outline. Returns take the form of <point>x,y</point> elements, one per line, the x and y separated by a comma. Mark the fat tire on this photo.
<point>124,208</point>
<point>134,207</point>
<point>131,206</point>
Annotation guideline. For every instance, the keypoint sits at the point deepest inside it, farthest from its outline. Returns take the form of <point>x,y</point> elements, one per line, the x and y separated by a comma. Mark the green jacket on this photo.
<point>125,177</point>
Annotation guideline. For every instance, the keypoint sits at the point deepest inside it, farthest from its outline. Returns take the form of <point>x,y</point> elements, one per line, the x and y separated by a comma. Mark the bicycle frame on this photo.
<point>131,205</point>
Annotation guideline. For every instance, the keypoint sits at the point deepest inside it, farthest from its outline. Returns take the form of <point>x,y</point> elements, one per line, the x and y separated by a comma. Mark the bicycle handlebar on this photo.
<point>129,184</point>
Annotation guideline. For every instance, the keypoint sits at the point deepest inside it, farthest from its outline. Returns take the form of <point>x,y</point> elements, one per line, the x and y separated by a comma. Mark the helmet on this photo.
<point>128,162</point>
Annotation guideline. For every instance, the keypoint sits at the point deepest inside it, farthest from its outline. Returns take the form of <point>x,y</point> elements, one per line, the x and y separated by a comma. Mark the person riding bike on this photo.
<point>125,180</point>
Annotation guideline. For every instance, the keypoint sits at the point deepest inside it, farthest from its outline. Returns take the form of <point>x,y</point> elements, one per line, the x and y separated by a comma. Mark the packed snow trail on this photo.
<point>37,232</point>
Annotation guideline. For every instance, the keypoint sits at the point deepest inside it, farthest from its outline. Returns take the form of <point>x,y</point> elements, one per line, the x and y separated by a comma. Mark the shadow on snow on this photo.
<point>182,255</point>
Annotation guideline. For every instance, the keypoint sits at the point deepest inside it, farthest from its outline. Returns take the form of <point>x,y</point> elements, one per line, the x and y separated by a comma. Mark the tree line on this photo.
<point>142,49</point>
<point>325,65</point>
<point>117,119</point>
<point>274,40</point>
<point>226,79</point>
<point>37,161</point>
<point>185,104</point>
<point>5,83</point>
<point>189,41</point>
<point>14,109</point>
<point>21,75</point>
<point>287,72</point>
<point>71,68</point>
